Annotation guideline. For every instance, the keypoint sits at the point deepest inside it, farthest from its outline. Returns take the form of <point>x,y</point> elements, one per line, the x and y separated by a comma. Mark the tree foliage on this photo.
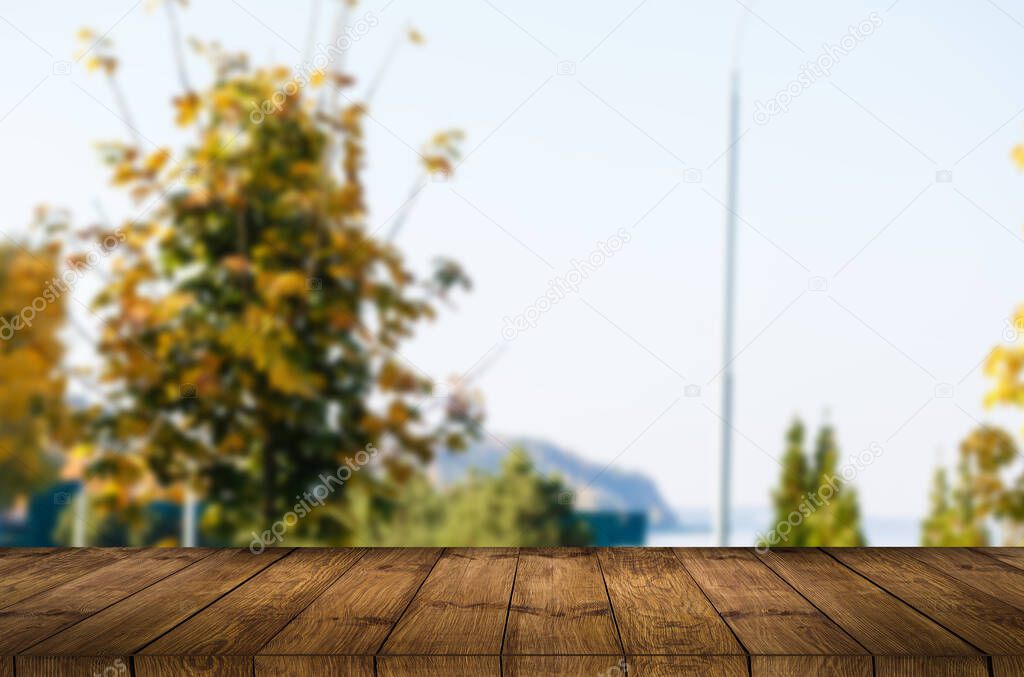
<point>34,419</point>
<point>960,515</point>
<point>814,506</point>
<point>515,507</point>
<point>252,323</point>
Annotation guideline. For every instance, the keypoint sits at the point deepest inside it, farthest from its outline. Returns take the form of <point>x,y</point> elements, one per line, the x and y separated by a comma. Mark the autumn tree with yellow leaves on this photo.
<point>985,492</point>
<point>34,419</point>
<point>252,321</point>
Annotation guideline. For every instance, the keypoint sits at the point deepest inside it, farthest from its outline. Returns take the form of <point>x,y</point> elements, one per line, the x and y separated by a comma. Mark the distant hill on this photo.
<point>612,489</point>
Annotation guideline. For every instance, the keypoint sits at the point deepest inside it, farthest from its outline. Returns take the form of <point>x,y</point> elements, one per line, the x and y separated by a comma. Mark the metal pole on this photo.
<point>188,522</point>
<point>722,515</point>
<point>78,525</point>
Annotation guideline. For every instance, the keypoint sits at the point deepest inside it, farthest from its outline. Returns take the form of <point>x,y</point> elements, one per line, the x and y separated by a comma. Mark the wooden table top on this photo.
<point>858,612</point>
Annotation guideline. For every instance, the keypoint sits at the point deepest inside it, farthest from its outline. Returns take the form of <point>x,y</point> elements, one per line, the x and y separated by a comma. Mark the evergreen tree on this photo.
<point>789,523</point>
<point>937,526</point>
<point>835,520</point>
<point>813,505</point>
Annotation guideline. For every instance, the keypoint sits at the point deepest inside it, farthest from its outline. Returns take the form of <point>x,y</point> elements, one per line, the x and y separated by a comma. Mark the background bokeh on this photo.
<point>880,226</point>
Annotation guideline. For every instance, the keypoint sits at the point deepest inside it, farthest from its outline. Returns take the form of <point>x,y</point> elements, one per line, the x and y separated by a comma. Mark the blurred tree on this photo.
<point>837,522</point>
<point>790,494</point>
<point>986,455</point>
<point>813,504</point>
<point>959,515</point>
<point>34,419</point>
<point>253,320</point>
<point>516,507</point>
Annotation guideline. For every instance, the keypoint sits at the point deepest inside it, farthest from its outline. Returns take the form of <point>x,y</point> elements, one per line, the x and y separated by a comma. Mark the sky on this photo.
<point>879,237</point>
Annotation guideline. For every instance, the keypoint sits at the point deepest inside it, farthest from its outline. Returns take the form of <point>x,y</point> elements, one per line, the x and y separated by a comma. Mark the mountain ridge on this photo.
<point>595,486</point>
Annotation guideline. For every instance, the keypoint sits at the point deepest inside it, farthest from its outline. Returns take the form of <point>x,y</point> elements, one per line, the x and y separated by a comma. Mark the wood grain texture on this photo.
<point>19,580</point>
<point>503,612</point>
<point>461,607</point>
<point>804,666</point>
<point>1008,666</point>
<point>930,666</point>
<point>687,666</point>
<point>658,607</point>
<point>876,619</point>
<point>242,621</point>
<point>12,559</point>
<point>982,619</point>
<point>63,666</point>
<point>560,605</point>
<point>1012,556</point>
<point>977,570</point>
<point>438,666</point>
<point>558,666</point>
<point>193,666</point>
<point>314,666</point>
<point>355,614</point>
<point>767,615</point>
<point>38,617</point>
<point>129,625</point>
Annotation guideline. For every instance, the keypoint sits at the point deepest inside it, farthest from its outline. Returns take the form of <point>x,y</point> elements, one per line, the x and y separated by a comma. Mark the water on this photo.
<point>880,531</point>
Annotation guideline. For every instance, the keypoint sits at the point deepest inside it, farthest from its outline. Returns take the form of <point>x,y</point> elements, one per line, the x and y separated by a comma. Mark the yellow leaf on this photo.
<point>188,108</point>
<point>157,160</point>
<point>1018,155</point>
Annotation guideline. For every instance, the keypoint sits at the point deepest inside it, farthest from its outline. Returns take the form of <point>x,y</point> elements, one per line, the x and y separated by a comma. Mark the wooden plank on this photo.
<point>193,666</point>
<point>658,607</point>
<point>931,666</point>
<point>802,666</point>
<point>354,615</point>
<point>129,625</point>
<point>1007,666</point>
<point>30,576</point>
<point>559,666</point>
<point>61,666</point>
<point>314,666</point>
<point>438,666</point>
<point>978,570</point>
<point>6,666</point>
<point>242,621</point>
<point>981,619</point>
<point>38,617</point>
<point>461,607</point>
<point>686,666</point>
<point>560,605</point>
<point>1012,556</point>
<point>18,558</point>
<point>876,619</point>
<point>767,615</point>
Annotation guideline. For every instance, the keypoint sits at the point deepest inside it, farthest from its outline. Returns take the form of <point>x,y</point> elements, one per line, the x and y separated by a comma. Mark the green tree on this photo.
<point>515,507</point>
<point>252,326</point>
<point>813,505</point>
<point>790,495</point>
<point>836,521</point>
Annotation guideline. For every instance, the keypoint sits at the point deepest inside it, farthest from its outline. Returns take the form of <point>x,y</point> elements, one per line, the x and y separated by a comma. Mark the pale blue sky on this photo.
<point>843,181</point>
